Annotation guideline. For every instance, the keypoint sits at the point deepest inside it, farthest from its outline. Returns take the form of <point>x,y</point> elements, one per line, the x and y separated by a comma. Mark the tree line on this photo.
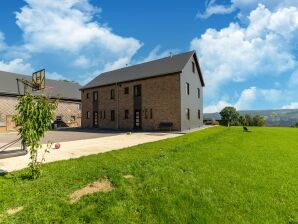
<point>231,117</point>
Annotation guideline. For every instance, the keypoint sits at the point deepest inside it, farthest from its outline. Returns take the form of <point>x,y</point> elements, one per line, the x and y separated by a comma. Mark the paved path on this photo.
<point>78,148</point>
<point>62,135</point>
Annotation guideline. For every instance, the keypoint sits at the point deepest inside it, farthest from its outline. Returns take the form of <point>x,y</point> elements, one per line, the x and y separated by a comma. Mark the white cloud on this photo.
<point>156,54</point>
<point>68,25</point>
<point>293,105</point>
<point>243,7</point>
<point>216,107</point>
<point>294,79</point>
<point>16,66</point>
<point>70,28</point>
<point>55,75</point>
<point>216,9</point>
<point>237,54</point>
<point>248,99</point>
<point>82,62</point>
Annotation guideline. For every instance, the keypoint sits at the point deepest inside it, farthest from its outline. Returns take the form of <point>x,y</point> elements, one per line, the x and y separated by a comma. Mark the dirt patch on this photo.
<point>128,176</point>
<point>99,186</point>
<point>12,211</point>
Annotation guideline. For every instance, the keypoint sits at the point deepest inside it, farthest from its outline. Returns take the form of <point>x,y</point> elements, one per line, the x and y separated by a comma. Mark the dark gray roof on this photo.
<point>65,90</point>
<point>163,66</point>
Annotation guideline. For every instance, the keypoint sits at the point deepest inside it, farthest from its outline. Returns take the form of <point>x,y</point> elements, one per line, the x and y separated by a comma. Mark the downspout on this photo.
<point>117,123</point>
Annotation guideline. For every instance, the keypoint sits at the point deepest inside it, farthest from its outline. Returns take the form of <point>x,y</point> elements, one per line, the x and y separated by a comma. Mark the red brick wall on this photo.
<point>161,94</point>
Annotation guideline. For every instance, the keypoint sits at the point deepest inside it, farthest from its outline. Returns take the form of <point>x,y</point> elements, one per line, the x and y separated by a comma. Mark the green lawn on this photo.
<point>218,175</point>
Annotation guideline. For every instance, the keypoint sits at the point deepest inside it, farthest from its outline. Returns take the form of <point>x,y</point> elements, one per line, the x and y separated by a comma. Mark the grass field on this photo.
<point>218,175</point>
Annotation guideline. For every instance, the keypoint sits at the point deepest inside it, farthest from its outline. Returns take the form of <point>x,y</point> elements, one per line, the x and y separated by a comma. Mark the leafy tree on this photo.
<point>248,120</point>
<point>35,117</point>
<point>295,125</point>
<point>258,120</point>
<point>242,121</point>
<point>229,115</point>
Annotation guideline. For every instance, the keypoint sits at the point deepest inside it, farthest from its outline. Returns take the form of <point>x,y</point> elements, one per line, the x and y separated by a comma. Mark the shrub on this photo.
<point>35,117</point>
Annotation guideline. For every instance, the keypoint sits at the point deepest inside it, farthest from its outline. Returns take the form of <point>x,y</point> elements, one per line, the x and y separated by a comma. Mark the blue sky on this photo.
<point>247,49</point>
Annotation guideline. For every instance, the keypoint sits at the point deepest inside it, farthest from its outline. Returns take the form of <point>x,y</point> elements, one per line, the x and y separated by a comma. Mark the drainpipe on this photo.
<point>117,121</point>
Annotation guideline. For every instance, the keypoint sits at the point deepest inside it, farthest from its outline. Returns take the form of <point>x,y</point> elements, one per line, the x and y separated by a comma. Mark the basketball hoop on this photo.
<point>38,80</point>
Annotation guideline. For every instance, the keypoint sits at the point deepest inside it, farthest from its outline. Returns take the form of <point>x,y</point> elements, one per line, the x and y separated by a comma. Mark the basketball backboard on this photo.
<point>38,80</point>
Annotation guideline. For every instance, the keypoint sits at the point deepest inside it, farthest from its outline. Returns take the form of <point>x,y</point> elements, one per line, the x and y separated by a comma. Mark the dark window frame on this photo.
<point>199,114</point>
<point>151,113</point>
<point>187,88</point>
<point>126,90</point>
<point>187,113</point>
<point>95,96</point>
<point>87,95</point>
<point>199,93</point>
<point>88,114</point>
<point>113,94</point>
<point>59,118</point>
<point>126,114</point>
<point>137,90</point>
<point>95,119</point>
<point>112,115</point>
<point>193,67</point>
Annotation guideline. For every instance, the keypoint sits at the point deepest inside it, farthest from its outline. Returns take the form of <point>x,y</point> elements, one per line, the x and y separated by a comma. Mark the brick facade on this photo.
<point>66,109</point>
<point>160,102</point>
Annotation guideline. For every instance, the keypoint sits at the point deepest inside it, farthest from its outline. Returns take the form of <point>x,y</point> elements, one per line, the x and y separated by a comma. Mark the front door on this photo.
<point>138,119</point>
<point>95,119</point>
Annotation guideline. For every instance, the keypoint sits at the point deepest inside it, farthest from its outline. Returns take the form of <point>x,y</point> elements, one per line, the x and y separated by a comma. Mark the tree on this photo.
<point>242,121</point>
<point>229,115</point>
<point>248,120</point>
<point>35,117</point>
<point>258,120</point>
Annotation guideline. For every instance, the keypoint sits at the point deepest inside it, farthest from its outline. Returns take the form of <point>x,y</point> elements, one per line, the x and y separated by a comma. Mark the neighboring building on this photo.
<point>68,112</point>
<point>148,96</point>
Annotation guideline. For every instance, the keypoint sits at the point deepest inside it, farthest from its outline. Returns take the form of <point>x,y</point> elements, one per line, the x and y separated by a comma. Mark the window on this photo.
<point>95,96</point>
<point>95,119</point>
<point>88,114</point>
<point>58,118</point>
<point>126,90</point>
<point>73,118</point>
<point>104,114</point>
<point>146,113</point>
<point>199,114</point>
<point>151,113</point>
<point>112,115</point>
<point>193,67</point>
<point>87,95</point>
<point>100,114</point>
<point>79,106</point>
<point>187,88</point>
<point>126,115</point>
<point>138,90</point>
<point>199,93</point>
<point>187,114</point>
<point>112,94</point>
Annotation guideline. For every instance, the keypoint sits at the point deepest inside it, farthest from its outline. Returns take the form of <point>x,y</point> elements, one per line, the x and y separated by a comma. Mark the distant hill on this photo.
<point>272,117</point>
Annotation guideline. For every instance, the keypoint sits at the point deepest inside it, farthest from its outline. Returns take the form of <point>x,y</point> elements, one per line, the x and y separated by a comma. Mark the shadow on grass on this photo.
<point>3,173</point>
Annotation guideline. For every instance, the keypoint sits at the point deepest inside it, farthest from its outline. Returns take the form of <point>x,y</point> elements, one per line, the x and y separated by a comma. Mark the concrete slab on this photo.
<point>78,148</point>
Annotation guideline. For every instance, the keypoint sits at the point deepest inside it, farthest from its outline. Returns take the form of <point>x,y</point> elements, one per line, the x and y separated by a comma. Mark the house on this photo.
<point>68,112</point>
<point>164,93</point>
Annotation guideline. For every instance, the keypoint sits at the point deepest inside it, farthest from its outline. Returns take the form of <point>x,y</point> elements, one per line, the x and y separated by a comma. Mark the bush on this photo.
<point>35,117</point>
